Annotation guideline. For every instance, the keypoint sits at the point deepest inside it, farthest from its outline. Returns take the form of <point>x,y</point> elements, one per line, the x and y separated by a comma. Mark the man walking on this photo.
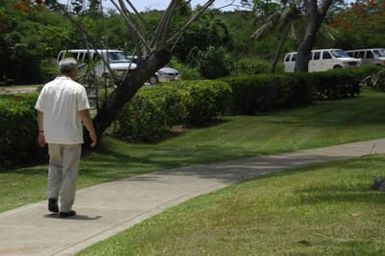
<point>62,108</point>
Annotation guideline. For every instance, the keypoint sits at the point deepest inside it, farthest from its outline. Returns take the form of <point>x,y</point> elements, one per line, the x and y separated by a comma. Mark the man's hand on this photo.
<point>87,122</point>
<point>41,140</point>
<point>94,139</point>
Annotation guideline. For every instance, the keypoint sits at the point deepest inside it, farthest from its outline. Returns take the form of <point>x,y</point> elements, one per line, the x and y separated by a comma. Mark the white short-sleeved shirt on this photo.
<point>60,100</point>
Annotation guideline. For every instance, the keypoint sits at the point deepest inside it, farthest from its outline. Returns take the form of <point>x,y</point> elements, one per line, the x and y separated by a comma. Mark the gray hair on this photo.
<point>66,65</point>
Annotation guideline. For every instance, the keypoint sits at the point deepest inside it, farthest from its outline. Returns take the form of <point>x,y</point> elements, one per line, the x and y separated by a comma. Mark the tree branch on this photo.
<point>228,5</point>
<point>134,30</point>
<point>325,4</point>
<point>191,20</point>
<point>145,24</point>
<point>161,31</point>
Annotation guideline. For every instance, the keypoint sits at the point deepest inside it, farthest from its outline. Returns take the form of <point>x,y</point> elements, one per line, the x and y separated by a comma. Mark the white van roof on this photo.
<point>333,49</point>
<point>91,50</point>
<point>368,49</point>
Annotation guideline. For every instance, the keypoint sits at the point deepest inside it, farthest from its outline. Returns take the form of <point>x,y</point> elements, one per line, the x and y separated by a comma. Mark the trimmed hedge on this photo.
<point>18,130</point>
<point>154,110</point>
<point>204,99</point>
<point>150,113</point>
<point>267,92</point>
<point>263,93</point>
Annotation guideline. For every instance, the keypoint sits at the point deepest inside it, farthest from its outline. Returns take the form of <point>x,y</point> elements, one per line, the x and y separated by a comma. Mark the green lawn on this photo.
<point>325,209</point>
<point>321,124</point>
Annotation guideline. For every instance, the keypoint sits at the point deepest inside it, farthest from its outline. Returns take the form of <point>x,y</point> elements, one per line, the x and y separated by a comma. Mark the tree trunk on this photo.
<point>123,93</point>
<point>304,49</point>
<point>315,18</point>
<point>280,48</point>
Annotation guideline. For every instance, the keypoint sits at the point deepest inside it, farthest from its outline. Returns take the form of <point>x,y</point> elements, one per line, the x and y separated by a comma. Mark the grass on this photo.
<point>325,209</point>
<point>322,124</point>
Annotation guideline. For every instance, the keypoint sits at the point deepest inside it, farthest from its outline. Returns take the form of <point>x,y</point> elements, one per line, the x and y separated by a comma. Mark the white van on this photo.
<point>119,61</point>
<point>323,60</point>
<point>374,56</point>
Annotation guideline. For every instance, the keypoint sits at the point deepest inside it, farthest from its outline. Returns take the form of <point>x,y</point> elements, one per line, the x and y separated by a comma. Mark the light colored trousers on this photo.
<point>63,171</point>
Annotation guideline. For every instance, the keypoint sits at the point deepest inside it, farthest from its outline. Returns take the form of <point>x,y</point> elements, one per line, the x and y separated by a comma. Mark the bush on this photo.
<point>339,83</point>
<point>252,66</point>
<point>188,73</point>
<point>204,99</point>
<point>262,93</point>
<point>150,114</point>
<point>214,62</point>
<point>373,76</point>
<point>18,130</point>
<point>334,85</point>
<point>154,110</point>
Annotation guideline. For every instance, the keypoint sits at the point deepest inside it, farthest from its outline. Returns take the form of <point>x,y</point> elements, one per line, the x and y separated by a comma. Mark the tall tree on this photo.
<point>154,47</point>
<point>316,12</point>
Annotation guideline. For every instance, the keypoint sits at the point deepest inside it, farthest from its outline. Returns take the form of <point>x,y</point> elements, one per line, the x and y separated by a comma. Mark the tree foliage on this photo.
<point>360,25</point>
<point>29,34</point>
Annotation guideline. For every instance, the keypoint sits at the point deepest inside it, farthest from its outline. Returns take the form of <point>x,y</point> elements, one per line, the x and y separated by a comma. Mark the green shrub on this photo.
<point>252,66</point>
<point>204,99</point>
<point>334,85</point>
<point>214,62</point>
<point>151,113</point>
<point>339,83</point>
<point>18,130</point>
<point>154,110</point>
<point>262,93</point>
<point>372,76</point>
<point>187,72</point>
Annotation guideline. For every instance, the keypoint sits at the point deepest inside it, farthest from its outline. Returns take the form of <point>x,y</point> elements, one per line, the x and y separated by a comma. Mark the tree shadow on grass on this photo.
<point>111,165</point>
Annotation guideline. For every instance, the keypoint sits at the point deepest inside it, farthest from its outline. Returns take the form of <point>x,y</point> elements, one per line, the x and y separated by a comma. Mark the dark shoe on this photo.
<point>52,205</point>
<point>67,214</point>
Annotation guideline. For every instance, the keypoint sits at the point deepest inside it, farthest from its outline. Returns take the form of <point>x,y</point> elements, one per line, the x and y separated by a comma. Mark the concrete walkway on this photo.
<point>109,208</point>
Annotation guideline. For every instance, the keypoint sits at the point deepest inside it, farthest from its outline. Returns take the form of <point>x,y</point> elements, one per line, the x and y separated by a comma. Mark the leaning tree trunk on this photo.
<point>315,18</point>
<point>123,93</point>
<point>280,48</point>
<point>304,49</point>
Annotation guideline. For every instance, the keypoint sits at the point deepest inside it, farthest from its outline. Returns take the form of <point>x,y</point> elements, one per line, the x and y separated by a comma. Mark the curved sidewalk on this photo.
<point>106,209</point>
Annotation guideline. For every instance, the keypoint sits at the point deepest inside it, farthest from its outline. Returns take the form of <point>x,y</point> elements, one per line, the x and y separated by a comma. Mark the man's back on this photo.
<point>60,101</point>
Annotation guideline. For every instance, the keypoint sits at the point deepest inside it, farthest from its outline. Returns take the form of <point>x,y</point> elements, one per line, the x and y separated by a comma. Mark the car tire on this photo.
<point>153,80</point>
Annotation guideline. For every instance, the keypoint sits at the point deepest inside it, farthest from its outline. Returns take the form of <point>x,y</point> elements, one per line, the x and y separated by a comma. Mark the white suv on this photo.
<point>322,60</point>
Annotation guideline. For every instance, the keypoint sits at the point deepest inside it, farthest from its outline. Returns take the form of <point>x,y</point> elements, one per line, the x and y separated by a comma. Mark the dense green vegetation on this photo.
<point>217,44</point>
<point>322,124</point>
<point>17,131</point>
<point>157,110</point>
<point>324,209</point>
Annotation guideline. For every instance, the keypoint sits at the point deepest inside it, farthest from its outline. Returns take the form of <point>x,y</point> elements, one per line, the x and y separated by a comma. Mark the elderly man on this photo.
<point>62,108</point>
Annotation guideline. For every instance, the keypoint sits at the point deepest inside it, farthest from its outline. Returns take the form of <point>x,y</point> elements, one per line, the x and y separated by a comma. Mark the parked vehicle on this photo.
<point>374,56</point>
<point>118,61</point>
<point>322,60</point>
<point>164,74</point>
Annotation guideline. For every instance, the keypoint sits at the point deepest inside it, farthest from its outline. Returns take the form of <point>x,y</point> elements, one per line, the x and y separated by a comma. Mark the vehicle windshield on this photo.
<point>118,57</point>
<point>339,54</point>
<point>379,52</point>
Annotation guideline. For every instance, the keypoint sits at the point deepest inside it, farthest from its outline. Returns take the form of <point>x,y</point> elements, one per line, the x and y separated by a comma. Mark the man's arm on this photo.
<point>40,124</point>
<point>87,122</point>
